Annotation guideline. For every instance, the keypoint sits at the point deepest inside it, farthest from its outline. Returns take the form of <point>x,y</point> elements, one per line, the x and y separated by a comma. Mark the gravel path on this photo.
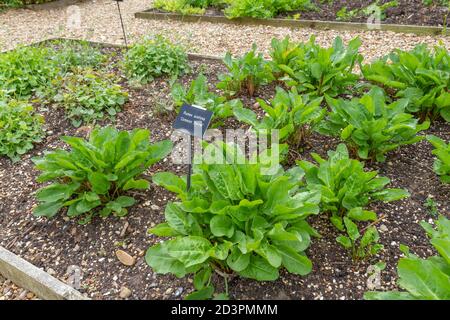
<point>10,291</point>
<point>100,22</point>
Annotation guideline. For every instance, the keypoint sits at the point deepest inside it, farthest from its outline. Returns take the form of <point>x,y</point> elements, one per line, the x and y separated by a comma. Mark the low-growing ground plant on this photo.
<point>289,112</point>
<point>423,279</point>
<point>185,6</point>
<point>20,128</point>
<point>323,71</point>
<point>93,177</point>
<point>370,126</point>
<point>264,9</point>
<point>442,153</point>
<point>199,94</point>
<point>421,75</point>
<point>236,220</point>
<point>155,57</point>
<point>346,189</point>
<point>26,71</point>
<point>89,96</point>
<point>245,74</point>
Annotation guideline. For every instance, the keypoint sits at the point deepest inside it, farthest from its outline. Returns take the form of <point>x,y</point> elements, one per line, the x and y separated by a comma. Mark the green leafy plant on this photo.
<point>155,57</point>
<point>290,113</point>
<point>199,94</point>
<point>234,219</point>
<point>88,96</point>
<point>370,126</point>
<point>264,9</point>
<point>26,71</point>
<point>93,177</point>
<point>284,52</point>
<point>442,153</point>
<point>377,8</point>
<point>70,54</point>
<point>346,15</point>
<point>423,279</point>
<point>20,128</point>
<point>183,6</point>
<point>421,75</point>
<point>324,71</point>
<point>346,188</point>
<point>431,206</point>
<point>245,73</point>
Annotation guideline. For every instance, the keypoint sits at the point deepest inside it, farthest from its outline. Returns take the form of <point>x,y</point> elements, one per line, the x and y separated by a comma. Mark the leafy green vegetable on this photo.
<point>20,128</point>
<point>442,153</point>
<point>93,176</point>
<point>155,57</point>
<point>246,73</point>
<point>284,52</point>
<point>264,8</point>
<point>288,112</point>
<point>346,188</point>
<point>421,75</point>
<point>424,279</point>
<point>199,94</point>
<point>322,71</point>
<point>88,96</point>
<point>234,219</point>
<point>370,126</point>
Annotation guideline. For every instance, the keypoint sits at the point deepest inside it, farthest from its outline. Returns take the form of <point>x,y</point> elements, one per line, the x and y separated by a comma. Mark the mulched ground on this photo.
<point>408,12</point>
<point>61,245</point>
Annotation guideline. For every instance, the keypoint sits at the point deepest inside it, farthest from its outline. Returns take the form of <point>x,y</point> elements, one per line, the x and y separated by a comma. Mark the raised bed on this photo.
<point>60,243</point>
<point>291,23</point>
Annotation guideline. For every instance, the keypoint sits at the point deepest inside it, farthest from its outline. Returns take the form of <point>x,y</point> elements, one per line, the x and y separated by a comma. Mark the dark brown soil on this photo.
<point>56,245</point>
<point>408,12</point>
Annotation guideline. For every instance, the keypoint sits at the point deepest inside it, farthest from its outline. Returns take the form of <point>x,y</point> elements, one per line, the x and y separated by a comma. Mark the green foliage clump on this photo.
<point>71,54</point>
<point>264,9</point>
<point>284,53</point>
<point>20,128</point>
<point>234,219</point>
<point>88,96</point>
<point>154,58</point>
<point>370,126</point>
<point>26,71</point>
<point>199,94</point>
<point>423,279</point>
<point>245,73</point>
<point>93,177</point>
<point>321,71</point>
<point>442,153</point>
<point>184,6</point>
<point>290,113</point>
<point>346,189</point>
<point>421,75</point>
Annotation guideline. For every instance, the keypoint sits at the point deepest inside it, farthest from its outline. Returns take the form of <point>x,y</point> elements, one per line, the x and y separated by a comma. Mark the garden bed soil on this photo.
<point>408,12</point>
<point>59,243</point>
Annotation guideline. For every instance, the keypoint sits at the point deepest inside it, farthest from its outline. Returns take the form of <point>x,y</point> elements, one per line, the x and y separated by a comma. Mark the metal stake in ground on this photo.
<point>121,22</point>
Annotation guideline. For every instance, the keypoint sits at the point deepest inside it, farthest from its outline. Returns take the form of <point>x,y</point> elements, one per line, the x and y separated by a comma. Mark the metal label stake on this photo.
<point>121,23</point>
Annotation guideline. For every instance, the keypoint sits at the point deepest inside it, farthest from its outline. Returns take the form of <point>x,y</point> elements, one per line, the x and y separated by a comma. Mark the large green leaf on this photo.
<point>189,250</point>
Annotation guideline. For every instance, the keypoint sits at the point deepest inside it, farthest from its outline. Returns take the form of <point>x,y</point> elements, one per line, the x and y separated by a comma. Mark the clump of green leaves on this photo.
<point>264,9</point>
<point>442,153</point>
<point>70,54</point>
<point>234,219</point>
<point>346,15</point>
<point>370,126</point>
<point>89,96</point>
<point>26,71</point>
<point>245,74</point>
<point>290,113</point>
<point>154,58</point>
<point>20,128</point>
<point>184,6</point>
<point>322,71</point>
<point>375,8</point>
<point>421,75</point>
<point>284,52</point>
<point>423,279</point>
<point>93,177</point>
<point>346,189</point>
<point>199,94</point>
